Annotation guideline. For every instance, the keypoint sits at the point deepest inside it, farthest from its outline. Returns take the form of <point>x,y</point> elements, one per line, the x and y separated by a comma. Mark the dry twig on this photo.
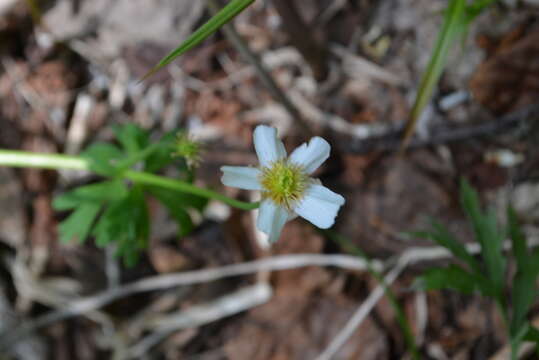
<point>84,305</point>
<point>230,304</point>
<point>362,312</point>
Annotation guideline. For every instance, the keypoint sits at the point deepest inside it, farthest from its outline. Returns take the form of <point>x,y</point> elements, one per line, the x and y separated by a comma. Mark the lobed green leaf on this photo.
<point>131,137</point>
<point>102,158</point>
<point>125,222</point>
<point>98,193</point>
<point>77,225</point>
<point>162,156</point>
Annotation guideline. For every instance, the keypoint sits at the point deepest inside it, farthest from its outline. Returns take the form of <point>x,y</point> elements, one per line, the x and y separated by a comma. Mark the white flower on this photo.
<point>287,189</point>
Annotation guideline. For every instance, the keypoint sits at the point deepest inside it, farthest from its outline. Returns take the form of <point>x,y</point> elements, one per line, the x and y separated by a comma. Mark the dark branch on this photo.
<point>443,134</point>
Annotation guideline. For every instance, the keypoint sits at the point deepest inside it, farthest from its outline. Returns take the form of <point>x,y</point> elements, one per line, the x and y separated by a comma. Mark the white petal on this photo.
<point>241,177</point>
<point>320,206</point>
<point>311,155</point>
<point>271,219</point>
<point>267,145</point>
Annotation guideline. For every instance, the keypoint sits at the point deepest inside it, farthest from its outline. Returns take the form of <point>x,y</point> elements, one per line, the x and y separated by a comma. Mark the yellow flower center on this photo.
<point>284,183</point>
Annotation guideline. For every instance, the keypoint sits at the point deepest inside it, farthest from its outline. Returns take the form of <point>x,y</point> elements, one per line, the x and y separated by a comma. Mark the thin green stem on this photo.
<point>151,179</point>
<point>14,158</point>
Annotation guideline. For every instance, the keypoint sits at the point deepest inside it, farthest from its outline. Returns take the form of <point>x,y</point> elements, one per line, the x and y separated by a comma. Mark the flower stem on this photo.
<point>14,158</point>
<point>156,180</point>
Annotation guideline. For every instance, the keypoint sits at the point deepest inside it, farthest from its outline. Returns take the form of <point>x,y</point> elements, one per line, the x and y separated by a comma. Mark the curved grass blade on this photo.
<point>453,26</point>
<point>458,16</point>
<point>222,17</point>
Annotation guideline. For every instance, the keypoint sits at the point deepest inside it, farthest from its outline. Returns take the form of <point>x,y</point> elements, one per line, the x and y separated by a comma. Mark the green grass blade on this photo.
<point>452,277</point>
<point>487,234</point>
<point>441,236</point>
<point>523,289</point>
<point>518,239</point>
<point>522,295</point>
<point>532,334</point>
<point>222,17</point>
<point>453,26</point>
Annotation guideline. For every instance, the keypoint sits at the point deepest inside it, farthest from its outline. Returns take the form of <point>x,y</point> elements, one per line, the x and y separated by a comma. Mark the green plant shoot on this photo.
<point>487,275</point>
<point>457,18</point>
<point>226,14</point>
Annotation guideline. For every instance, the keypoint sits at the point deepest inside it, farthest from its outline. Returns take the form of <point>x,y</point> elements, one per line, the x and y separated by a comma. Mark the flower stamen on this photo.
<point>284,183</point>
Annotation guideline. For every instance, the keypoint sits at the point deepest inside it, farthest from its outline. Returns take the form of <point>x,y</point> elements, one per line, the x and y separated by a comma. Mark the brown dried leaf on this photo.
<point>305,314</point>
<point>167,259</point>
<point>510,78</point>
<point>299,238</point>
<point>300,329</point>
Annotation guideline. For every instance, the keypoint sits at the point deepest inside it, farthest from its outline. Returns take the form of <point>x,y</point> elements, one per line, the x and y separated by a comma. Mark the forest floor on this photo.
<point>65,81</point>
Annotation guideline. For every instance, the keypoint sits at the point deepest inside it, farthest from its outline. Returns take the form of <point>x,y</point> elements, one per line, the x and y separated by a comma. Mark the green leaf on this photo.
<point>111,225</point>
<point>517,337</point>
<point>77,225</point>
<point>522,295</point>
<point>140,217</point>
<point>99,193</point>
<point>183,200</point>
<point>222,17</point>
<point>130,256</point>
<point>126,223</point>
<point>523,290</point>
<point>518,239</point>
<point>532,334</point>
<point>162,156</point>
<point>440,235</point>
<point>453,277</point>
<point>132,138</point>
<point>102,158</point>
<point>136,230</point>
<point>453,27</point>
<point>487,234</point>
